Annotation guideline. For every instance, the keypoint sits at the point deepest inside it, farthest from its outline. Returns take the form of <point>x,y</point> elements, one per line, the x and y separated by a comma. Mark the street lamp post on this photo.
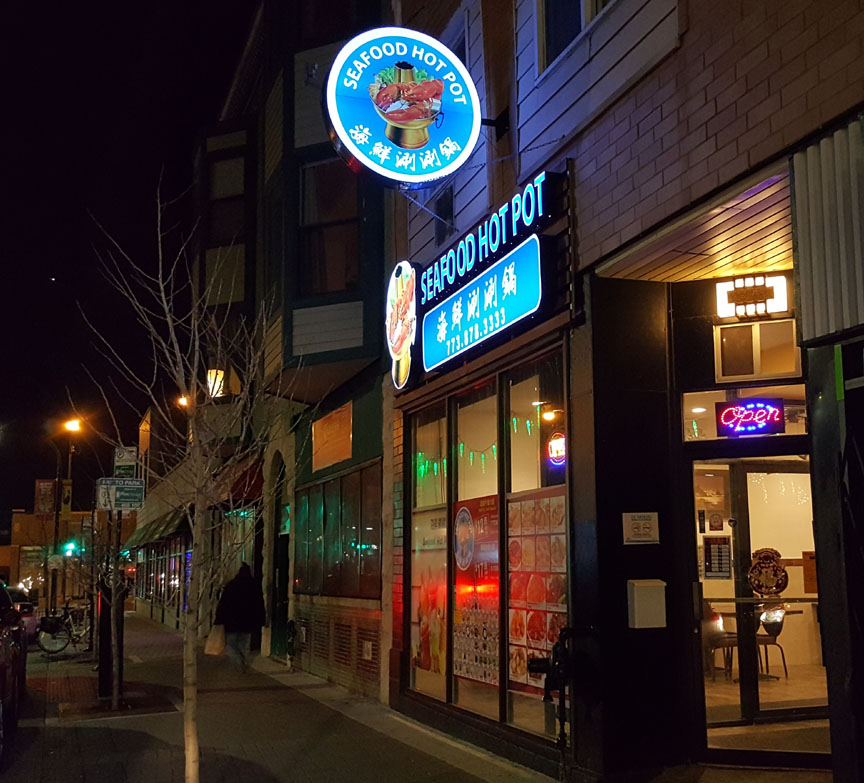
<point>73,425</point>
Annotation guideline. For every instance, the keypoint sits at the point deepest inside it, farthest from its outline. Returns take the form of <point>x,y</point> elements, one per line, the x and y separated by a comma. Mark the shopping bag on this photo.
<point>215,641</point>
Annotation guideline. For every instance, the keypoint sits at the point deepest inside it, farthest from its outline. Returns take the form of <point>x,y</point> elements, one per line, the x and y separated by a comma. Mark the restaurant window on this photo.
<point>536,535</point>
<point>476,574</point>
<point>337,547</point>
<point>763,349</point>
<point>329,228</point>
<point>699,411</point>
<point>429,553</point>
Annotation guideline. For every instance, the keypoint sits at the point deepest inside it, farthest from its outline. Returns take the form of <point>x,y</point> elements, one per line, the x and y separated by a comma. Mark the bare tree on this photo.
<point>205,354</point>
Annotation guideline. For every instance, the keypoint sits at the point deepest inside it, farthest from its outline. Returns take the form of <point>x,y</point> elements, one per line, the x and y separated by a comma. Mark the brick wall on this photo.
<point>398,530</point>
<point>748,81</point>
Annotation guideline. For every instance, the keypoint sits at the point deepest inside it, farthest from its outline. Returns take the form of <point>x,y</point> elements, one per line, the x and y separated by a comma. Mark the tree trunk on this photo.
<point>190,652</point>
<point>116,611</point>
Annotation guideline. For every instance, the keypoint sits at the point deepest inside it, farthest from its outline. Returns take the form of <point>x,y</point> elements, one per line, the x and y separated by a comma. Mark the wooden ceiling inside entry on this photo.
<point>747,232</point>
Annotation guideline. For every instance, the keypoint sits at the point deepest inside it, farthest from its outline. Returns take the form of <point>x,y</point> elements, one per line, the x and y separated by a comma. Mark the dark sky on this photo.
<point>98,100</point>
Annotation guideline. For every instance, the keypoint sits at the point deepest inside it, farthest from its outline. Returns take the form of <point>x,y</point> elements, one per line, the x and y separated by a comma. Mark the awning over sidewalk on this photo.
<point>242,484</point>
<point>163,526</point>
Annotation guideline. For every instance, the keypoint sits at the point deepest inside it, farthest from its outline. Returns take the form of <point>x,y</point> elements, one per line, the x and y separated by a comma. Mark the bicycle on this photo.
<point>57,631</point>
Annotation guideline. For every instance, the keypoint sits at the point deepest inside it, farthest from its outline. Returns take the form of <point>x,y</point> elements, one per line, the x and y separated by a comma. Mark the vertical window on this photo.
<point>429,553</point>
<point>226,213</point>
<point>329,223</point>
<point>332,538</point>
<point>561,23</point>
<point>476,583</point>
<point>536,536</point>
<point>370,536</point>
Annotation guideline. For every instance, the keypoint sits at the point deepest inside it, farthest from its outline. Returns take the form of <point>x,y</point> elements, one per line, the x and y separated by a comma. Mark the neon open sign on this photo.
<point>556,449</point>
<point>750,417</point>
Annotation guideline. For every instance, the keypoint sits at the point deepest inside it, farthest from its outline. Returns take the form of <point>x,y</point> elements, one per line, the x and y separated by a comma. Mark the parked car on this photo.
<point>13,665</point>
<point>22,603</point>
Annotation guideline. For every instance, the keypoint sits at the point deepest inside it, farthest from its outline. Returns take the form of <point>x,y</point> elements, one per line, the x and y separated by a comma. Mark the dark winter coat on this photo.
<point>241,607</point>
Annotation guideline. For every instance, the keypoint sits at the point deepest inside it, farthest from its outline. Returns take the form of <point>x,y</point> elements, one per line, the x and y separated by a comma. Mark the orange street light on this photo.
<point>73,425</point>
<point>182,401</point>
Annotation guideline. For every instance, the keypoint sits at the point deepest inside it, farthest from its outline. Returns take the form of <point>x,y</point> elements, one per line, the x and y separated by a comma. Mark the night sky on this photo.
<point>99,99</point>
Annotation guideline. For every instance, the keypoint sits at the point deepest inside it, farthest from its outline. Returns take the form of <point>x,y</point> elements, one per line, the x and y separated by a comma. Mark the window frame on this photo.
<point>306,228</point>
<point>588,14</point>
<point>365,585</point>
<point>756,345</point>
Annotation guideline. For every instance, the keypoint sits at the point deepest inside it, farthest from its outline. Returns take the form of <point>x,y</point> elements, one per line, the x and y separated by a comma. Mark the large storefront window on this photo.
<point>476,572</point>
<point>527,514</point>
<point>337,549</point>
<point>429,554</point>
<point>536,537</point>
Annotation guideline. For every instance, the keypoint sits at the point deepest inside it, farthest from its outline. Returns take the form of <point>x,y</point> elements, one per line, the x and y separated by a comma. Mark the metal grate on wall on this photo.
<point>829,230</point>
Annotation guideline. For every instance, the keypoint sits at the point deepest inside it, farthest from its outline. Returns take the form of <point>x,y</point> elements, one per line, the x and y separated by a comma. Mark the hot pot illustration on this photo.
<point>409,101</point>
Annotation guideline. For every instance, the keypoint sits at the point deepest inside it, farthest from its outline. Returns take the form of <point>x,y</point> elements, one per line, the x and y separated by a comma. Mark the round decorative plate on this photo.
<point>463,544</point>
<point>767,575</point>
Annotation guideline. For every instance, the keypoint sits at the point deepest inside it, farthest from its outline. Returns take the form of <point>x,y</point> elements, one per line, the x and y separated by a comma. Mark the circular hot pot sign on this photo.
<point>402,105</point>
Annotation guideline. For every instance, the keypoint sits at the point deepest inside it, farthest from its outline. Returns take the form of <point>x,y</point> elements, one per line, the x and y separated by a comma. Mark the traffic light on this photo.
<point>70,548</point>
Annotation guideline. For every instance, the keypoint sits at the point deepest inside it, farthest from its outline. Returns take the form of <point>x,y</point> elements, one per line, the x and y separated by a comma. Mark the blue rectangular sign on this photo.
<point>491,303</point>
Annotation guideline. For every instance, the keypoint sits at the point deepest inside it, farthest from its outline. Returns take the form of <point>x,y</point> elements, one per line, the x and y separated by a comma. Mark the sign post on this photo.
<point>125,461</point>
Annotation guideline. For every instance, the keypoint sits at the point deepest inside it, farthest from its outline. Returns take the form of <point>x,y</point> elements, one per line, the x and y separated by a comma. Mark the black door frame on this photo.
<point>752,450</point>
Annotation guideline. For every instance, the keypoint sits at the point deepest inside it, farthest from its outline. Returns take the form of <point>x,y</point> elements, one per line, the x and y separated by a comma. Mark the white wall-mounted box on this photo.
<point>646,603</point>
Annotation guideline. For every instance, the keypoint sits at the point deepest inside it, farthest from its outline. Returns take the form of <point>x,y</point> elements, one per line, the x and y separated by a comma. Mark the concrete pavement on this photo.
<point>268,726</point>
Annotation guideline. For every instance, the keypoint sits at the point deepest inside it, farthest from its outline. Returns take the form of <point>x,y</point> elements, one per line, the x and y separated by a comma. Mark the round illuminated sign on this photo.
<point>401,320</point>
<point>402,105</point>
<point>556,449</point>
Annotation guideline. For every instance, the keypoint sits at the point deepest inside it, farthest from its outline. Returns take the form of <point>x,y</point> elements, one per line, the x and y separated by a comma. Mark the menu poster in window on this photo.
<point>537,573</point>
<point>718,557</point>
<point>477,589</point>
<point>429,590</point>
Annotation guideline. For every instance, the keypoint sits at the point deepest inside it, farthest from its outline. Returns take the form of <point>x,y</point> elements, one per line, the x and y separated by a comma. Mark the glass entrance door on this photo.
<point>765,685</point>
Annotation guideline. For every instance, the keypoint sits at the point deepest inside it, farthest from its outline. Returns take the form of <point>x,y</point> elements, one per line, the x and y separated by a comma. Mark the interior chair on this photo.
<point>772,622</point>
<point>715,638</point>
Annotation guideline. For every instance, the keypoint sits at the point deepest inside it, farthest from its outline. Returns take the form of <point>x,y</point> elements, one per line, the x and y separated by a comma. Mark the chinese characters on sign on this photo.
<point>505,293</point>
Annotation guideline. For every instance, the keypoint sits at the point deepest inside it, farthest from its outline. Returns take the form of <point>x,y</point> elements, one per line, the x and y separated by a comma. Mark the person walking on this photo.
<point>241,611</point>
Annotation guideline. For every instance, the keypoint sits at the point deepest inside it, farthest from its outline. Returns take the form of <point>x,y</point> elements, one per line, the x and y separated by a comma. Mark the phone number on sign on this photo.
<point>489,325</point>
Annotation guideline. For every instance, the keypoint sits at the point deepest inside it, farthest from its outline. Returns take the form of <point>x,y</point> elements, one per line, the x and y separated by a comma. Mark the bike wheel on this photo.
<point>54,641</point>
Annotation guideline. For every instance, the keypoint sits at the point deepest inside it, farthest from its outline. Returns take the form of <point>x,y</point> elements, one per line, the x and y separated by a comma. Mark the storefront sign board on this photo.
<point>401,105</point>
<point>641,528</point>
<point>508,291</point>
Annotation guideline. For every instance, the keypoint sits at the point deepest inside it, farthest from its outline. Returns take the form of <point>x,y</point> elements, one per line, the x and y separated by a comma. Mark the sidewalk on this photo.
<point>268,726</point>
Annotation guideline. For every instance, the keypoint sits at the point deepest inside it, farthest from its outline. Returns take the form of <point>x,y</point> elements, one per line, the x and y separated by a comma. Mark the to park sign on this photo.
<point>402,105</point>
<point>119,494</point>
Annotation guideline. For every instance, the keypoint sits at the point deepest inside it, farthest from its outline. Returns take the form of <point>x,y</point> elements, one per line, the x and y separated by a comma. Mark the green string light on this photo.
<point>471,458</point>
<point>461,449</point>
<point>483,462</point>
<point>494,452</point>
<point>435,467</point>
<point>528,425</point>
<point>515,430</point>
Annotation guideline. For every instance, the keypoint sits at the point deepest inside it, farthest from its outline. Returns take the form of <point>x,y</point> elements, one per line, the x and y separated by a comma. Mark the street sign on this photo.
<point>125,461</point>
<point>119,494</point>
